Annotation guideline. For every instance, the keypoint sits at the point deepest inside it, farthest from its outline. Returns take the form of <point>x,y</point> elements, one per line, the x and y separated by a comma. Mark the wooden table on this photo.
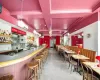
<point>78,56</point>
<point>93,65</point>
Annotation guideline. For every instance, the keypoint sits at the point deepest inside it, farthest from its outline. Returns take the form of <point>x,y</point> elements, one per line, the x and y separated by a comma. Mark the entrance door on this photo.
<point>52,43</point>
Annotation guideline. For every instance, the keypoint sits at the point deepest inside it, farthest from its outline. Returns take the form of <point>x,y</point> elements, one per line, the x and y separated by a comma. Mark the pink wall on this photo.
<point>18,70</point>
<point>5,15</point>
<point>85,22</point>
<point>57,40</point>
<point>99,16</point>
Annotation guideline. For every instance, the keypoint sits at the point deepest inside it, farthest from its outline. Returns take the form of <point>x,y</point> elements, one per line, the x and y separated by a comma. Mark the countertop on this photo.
<point>6,60</point>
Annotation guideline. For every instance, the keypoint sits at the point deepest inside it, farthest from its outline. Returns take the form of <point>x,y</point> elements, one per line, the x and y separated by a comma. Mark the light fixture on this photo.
<point>68,34</point>
<point>36,33</point>
<point>22,24</point>
<point>50,32</point>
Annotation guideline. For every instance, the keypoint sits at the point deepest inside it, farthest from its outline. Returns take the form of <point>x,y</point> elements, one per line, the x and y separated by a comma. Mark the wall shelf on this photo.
<point>5,35</point>
<point>5,42</point>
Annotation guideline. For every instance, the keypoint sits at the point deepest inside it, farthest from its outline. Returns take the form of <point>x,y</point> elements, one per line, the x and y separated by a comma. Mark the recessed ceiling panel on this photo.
<point>15,5</point>
<point>62,23</point>
<point>72,4</point>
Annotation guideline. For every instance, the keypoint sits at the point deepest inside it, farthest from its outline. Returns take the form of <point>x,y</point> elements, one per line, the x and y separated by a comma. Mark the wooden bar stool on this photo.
<point>40,60</point>
<point>45,53</point>
<point>33,70</point>
<point>6,77</point>
<point>43,57</point>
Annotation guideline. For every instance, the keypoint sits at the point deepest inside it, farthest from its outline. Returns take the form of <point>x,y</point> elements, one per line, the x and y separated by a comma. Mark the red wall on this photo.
<point>41,41</point>
<point>57,40</point>
<point>45,40</point>
<point>75,40</point>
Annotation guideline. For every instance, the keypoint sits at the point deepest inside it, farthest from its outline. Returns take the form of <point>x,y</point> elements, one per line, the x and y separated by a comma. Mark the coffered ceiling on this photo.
<point>58,15</point>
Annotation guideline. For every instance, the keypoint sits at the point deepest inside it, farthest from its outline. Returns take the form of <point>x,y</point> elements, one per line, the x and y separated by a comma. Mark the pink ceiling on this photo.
<point>15,5</point>
<point>62,23</point>
<point>72,4</point>
<point>60,15</point>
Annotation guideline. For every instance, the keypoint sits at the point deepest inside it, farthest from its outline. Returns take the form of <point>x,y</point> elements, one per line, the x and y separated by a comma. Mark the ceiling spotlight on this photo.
<point>68,34</point>
<point>50,32</point>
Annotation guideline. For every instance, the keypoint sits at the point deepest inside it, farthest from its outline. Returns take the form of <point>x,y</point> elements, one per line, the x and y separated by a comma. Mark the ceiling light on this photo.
<point>65,26</point>
<point>50,32</point>
<point>72,11</point>
<point>36,33</point>
<point>36,24</point>
<point>68,34</point>
<point>22,24</point>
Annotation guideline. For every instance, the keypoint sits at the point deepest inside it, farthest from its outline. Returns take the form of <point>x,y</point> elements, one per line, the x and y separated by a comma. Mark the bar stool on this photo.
<point>45,53</point>
<point>40,60</point>
<point>33,70</point>
<point>6,77</point>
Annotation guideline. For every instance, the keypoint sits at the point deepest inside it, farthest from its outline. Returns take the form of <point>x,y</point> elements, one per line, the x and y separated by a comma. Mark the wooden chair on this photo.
<point>88,73</point>
<point>71,62</point>
<point>6,77</point>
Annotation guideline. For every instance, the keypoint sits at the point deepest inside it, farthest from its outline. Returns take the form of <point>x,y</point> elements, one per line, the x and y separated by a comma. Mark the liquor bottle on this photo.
<point>7,32</point>
<point>0,39</point>
<point>0,31</point>
<point>4,32</point>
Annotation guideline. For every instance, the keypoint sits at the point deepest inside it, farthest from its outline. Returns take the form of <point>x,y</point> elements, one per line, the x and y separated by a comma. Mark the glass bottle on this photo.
<point>0,31</point>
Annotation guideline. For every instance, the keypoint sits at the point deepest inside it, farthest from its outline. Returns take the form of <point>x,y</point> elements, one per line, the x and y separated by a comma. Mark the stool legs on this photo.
<point>33,73</point>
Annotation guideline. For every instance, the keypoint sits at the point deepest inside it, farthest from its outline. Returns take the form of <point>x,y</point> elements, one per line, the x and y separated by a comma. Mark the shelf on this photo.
<point>5,42</point>
<point>5,35</point>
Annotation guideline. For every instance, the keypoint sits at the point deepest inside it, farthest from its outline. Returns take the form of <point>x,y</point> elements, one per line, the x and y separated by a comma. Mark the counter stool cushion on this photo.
<point>6,77</point>
<point>31,65</point>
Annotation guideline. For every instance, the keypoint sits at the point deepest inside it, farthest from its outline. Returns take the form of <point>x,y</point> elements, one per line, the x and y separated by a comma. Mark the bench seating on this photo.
<point>88,53</point>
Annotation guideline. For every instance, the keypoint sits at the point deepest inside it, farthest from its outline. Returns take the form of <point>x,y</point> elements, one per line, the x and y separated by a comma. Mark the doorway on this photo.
<point>52,43</point>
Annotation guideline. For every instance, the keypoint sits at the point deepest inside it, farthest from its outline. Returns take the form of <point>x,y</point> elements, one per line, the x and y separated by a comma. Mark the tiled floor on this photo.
<point>56,69</point>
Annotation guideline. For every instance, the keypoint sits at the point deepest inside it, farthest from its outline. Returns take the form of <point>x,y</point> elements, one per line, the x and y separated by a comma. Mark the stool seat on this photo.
<point>7,77</point>
<point>33,70</point>
<point>31,65</point>
<point>38,57</point>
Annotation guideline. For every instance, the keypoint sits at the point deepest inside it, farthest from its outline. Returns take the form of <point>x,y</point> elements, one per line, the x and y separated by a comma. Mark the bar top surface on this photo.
<point>6,60</point>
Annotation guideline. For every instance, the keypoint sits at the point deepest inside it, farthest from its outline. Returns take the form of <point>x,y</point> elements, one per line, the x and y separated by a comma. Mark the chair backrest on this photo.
<point>88,53</point>
<point>6,77</point>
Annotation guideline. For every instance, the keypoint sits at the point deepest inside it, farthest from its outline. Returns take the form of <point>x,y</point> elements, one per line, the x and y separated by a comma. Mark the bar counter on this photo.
<point>16,65</point>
